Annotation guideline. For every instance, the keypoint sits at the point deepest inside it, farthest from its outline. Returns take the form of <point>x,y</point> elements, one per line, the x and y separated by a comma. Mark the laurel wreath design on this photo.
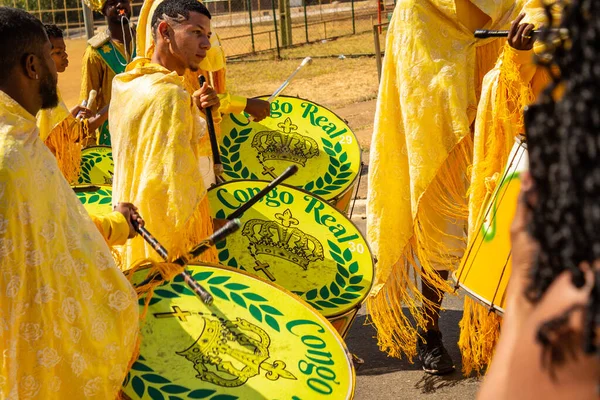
<point>159,387</point>
<point>338,173</point>
<point>231,156</point>
<point>88,162</point>
<point>100,196</point>
<point>343,289</point>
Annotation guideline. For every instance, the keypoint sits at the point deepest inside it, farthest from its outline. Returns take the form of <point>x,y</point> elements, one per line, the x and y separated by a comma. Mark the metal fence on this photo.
<point>248,28</point>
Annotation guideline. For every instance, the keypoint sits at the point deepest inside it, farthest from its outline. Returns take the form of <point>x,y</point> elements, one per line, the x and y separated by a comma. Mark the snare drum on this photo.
<point>486,268</point>
<point>300,242</point>
<point>97,199</point>
<point>256,341</point>
<point>97,167</point>
<point>298,132</point>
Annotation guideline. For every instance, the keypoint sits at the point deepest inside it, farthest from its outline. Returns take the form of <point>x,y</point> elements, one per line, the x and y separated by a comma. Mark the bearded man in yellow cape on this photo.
<point>421,150</point>
<point>68,316</point>
<point>214,70</point>
<point>157,129</point>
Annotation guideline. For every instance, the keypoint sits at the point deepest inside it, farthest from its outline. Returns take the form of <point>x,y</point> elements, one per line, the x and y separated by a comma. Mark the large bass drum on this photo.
<point>256,341</point>
<point>300,242</point>
<point>298,132</point>
<point>486,268</point>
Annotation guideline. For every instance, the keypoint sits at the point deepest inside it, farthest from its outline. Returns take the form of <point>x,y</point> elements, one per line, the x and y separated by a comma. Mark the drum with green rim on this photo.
<point>256,341</point>
<point>97,167</point>
<point>298,132</point>
<point>97,199</point>
<point>300,242</point>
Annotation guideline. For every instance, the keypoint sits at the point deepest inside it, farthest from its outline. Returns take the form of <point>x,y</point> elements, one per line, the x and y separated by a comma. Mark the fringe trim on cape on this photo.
<point>422,256</point>
<point>65,143</point>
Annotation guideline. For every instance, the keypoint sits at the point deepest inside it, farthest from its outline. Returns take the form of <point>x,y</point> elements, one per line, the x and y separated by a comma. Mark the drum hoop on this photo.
<point>95,147</point>
<point>350,184</point>
<point>372,258</point>
<point>472,294</point>
<point>321,317</point>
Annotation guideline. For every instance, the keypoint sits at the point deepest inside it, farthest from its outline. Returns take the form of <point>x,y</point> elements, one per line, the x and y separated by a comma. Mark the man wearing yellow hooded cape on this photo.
<point>68,316</point>
<point>421,149</point>
<point>214,70</point>
<point>157,128</point>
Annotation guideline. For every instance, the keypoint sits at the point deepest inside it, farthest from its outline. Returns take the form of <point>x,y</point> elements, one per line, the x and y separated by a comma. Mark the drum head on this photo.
<point>298,241</point>
<point>255,341</point>
<point>97,166</point>
<point>298,132</point>
<point>97,199</point>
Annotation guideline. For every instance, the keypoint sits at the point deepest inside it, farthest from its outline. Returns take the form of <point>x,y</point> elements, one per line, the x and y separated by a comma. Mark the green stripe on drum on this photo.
<point>297,241</point>
<point>255,341</point>
<point>97,200</point>
<point>298,132</point>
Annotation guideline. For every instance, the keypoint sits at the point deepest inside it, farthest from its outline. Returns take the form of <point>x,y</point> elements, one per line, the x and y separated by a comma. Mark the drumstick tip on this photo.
<point>306,61</point>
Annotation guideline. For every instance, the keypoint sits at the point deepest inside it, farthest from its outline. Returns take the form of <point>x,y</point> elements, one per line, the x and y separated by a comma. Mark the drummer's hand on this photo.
<point>85,112</point>
<point>130,212</point>
<point>520,35</point>
<point>259,109</point>
<point>206,97</point>
<point>218,223</point>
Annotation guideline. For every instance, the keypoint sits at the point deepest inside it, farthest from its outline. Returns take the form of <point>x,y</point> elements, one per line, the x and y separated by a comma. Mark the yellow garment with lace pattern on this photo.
<point>507,89</point>
<point>68,316</point>
<point>156,131</point>
<point>212,67</point>
<point>420,153</point>
<point>63,134</point>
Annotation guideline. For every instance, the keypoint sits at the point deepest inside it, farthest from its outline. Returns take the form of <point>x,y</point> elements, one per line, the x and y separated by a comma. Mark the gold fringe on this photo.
<point>480,328</point>
<point>479,333</point>
<point>64,142</point>
<point>445,196</point>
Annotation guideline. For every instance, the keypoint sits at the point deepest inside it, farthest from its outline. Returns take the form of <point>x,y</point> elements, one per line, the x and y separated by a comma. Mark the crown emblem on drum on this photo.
<point>283,240</point>
<point>285,145</point>
<point>228,353</point>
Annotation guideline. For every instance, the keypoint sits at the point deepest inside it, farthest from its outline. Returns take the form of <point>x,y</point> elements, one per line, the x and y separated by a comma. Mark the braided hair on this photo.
<point>563,134</point>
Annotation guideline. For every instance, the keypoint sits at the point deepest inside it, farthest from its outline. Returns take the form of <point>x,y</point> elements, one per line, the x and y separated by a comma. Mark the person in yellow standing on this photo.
<point>107,55</point>
<point>421,149</point>
<point>213,68</point>
<point>68,316</point>
<point>60,129</point>
<point>157,133</point>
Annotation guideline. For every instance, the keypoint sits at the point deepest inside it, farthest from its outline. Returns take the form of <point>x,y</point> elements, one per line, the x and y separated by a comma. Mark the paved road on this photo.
<point>383,377</point>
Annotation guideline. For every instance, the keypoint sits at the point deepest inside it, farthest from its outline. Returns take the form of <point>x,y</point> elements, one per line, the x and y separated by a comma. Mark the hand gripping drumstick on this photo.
<point>486,33</point>
<point>213,138</point>
<point>87,103</point>
<point>276,93</point>
<point>219,235</point>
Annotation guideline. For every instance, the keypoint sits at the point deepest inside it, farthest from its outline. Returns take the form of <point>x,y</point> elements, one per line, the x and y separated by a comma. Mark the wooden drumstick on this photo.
<point>219,235</point>
<point>87,103</point>
<point>214,145</point>
<point>487,33</point>
<point>276,93</point>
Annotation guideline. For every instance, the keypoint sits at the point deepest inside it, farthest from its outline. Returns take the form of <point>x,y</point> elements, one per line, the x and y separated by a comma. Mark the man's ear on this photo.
<point>164,31</point>
<point>31,66</point>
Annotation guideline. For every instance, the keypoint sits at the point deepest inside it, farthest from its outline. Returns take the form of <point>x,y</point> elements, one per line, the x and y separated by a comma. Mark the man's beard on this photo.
<point>48,91</point>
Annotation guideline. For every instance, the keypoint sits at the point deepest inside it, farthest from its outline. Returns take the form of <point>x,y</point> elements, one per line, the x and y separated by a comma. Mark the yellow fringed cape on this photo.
<point>506,90</point>
<point>212,67</point>
<point>68,316</point>
<point>156,131</point>
<point>63,135</point>
<point>420,152</point>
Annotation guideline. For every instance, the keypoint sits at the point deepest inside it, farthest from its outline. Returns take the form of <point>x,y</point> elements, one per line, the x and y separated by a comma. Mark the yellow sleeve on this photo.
<point>527,68</point>
<point>232,104</point>
<point>113,227</point>
<point>91,74</point>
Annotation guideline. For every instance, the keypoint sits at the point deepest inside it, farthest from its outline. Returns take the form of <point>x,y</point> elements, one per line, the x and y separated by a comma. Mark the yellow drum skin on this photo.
<point>298,132</point>
<point>97,167</point>
<point>256,341</point>
<point>486,267</point>
<point>97,199</point>
<point>298,241</point>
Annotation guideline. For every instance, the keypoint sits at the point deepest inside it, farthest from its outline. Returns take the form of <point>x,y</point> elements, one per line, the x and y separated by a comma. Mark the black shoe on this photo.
<point>432,354</point>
